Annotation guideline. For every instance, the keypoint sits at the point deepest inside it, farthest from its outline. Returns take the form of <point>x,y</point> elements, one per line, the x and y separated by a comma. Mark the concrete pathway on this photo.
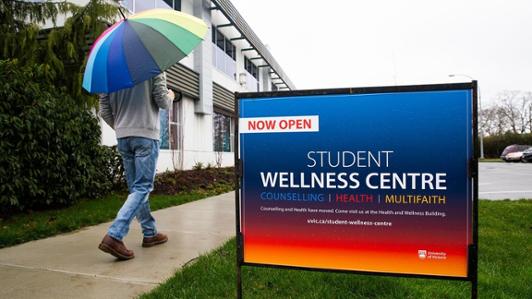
<point>505,180</point>
<point>71,266</point>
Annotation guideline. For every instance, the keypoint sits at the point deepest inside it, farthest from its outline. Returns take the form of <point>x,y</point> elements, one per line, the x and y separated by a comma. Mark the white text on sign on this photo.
<point>280,124</point>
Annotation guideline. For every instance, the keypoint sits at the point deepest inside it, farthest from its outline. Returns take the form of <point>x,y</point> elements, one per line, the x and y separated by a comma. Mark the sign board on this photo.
<point>374,180</point>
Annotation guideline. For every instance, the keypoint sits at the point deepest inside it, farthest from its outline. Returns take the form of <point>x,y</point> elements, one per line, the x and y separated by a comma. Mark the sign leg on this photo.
<point>239,281</point>
<point>474,270</point>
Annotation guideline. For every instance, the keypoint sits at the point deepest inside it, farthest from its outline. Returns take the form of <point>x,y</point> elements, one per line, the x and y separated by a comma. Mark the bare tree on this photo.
<point>488,121</point>
<point>528,110</point>
<point>218,132</point>
<point>515,106</point>
<point>512,113</point>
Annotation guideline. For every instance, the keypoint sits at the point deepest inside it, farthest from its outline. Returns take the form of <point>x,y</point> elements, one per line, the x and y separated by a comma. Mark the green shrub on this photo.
<point>173,182</point>
<point>114,167</point>
<point>494,145</point>
<point>50,152</point>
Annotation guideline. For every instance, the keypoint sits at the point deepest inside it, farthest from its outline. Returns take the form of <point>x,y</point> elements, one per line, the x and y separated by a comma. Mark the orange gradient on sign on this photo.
<point>454,265</point>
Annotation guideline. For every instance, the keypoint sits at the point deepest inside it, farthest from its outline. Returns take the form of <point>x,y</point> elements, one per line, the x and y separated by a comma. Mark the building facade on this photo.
<point>199,128</point>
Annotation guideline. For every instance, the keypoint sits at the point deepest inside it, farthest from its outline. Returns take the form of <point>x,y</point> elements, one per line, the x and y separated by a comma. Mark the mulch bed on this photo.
<point>189,180</point>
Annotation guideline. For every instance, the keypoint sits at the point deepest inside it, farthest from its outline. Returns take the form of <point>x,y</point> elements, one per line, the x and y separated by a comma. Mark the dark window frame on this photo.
<point>224,43</point>
<point>174,4</point>
<point>168,118</point>
<point>220,40</point>
<point>251,68</point>
<point>222,140</point>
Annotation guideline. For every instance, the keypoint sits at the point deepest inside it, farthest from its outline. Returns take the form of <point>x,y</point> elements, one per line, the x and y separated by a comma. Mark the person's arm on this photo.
<point>105,110</point>
<point>161,94</point>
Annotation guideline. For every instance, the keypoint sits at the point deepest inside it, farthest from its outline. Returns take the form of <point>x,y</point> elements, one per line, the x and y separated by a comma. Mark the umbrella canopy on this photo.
<point>140,47</point>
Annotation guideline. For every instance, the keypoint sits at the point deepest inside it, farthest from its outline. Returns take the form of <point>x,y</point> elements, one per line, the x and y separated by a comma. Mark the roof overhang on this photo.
<point>236,20</point>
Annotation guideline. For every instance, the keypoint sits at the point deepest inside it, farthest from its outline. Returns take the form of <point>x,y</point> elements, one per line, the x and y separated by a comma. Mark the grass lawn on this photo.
<point>25,227</point>
<point>505,270</point>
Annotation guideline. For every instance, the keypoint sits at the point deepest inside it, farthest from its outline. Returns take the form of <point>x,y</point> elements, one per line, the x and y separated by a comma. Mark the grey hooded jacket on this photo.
<point>135,111</point>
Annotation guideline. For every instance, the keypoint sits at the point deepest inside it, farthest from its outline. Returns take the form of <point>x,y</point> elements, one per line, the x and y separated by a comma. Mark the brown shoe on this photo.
<point>155,240</point>
<point>116,248</point>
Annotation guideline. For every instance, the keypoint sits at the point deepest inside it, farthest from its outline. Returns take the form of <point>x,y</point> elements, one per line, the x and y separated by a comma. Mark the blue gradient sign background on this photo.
<point>428,132</point>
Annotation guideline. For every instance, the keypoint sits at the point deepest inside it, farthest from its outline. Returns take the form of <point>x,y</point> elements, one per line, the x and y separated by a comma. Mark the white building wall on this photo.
<point>188,61</point>
<point>225,81</point>
<point>197,141</point>
<point>198,136</point>
<point>187,6</point>
<point>108,134</point>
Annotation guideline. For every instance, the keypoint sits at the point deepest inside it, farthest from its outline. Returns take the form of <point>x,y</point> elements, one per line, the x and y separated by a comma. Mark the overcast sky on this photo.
<point>340,43</point>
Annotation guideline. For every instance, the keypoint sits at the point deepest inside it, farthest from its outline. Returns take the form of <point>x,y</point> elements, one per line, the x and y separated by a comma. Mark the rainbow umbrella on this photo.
<point>140,47</point>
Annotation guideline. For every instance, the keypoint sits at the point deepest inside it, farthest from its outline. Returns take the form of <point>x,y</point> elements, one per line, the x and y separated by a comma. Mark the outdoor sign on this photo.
<point>374,180</point>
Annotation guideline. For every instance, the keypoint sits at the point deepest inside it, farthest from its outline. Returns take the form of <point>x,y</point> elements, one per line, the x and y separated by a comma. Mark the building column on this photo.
<point>265,78</point>
<point>203,59</point>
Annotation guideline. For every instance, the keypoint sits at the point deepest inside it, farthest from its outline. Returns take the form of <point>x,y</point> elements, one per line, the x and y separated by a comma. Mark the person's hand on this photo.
<point>171,94</point>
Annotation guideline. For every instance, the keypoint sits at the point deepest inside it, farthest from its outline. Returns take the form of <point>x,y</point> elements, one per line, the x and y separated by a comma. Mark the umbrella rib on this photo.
<point>118,41</point>
<point>89,68</point>
<point>162,67</point>
<point>149,57</point>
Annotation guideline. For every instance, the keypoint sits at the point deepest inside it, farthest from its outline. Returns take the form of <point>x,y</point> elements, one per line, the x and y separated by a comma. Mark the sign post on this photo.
<point>378,181</point>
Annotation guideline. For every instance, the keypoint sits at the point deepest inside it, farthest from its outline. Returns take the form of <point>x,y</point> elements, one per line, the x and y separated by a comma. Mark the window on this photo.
<point>222,132</point>
<point>220,40</point>
<point>252,78</point>
<point>171,127</point>
<point>230,49</point>
<point>163,115</point>
<point>176,134</point>
<point>175,4</point>
<point>224,43</point>
<point>251,68</point>
<point>223,54</point>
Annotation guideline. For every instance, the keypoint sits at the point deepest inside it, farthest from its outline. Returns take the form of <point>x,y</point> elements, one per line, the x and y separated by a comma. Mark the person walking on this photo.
<point>134,115</point>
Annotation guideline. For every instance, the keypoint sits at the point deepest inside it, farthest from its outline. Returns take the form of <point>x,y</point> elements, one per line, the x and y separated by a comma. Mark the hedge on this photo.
<point>494,145</point>
<point>50,152</point>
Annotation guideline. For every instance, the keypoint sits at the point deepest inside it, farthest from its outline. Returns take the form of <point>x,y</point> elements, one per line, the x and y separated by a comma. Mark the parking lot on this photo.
<point>505,180</point>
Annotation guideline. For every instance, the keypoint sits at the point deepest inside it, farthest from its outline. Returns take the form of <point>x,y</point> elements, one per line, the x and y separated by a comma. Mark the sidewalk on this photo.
<point>71,266</point>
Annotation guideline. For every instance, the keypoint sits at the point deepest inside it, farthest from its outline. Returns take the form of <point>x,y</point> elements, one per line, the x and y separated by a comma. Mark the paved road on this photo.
<point>505,180</point>
<point>71,266</point>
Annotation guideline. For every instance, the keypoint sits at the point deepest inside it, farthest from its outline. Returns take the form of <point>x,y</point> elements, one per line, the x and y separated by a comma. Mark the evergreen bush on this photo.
<point>50,152</point>
<point>494,145</point>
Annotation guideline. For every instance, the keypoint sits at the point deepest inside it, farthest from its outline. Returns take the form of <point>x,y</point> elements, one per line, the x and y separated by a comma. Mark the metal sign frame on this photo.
<point>472,272</point>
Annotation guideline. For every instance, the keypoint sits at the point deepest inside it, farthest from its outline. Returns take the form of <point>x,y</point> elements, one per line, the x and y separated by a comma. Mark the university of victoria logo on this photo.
<point>422,254</point>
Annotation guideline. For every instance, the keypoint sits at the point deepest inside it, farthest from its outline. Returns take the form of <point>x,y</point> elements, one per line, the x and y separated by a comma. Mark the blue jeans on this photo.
<point>140,159</point>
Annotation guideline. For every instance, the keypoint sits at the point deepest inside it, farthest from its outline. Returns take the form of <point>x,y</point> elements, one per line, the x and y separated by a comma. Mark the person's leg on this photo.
<point>110,243</point>
<point>144,163</point>
<point>144,216</point>
<point>128,159</point>
<point>146,220</point>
